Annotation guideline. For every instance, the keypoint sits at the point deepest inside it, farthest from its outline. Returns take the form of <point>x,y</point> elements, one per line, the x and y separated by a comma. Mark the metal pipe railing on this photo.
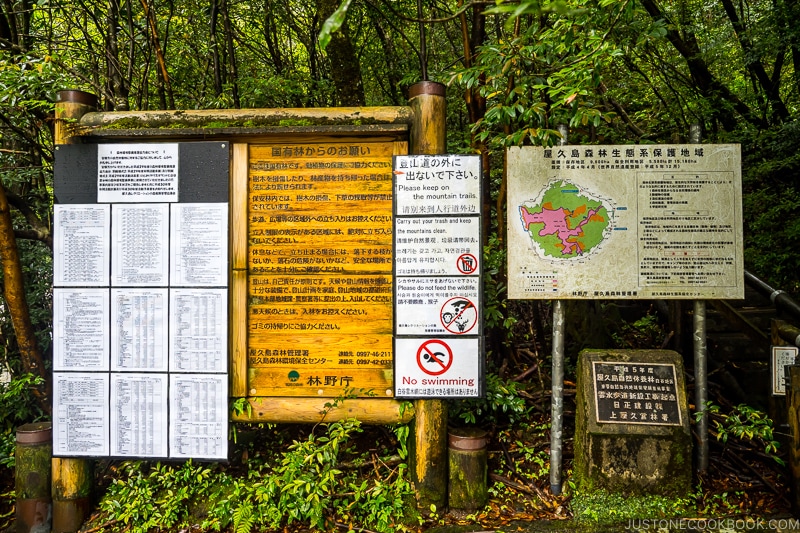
<point>781,300</point>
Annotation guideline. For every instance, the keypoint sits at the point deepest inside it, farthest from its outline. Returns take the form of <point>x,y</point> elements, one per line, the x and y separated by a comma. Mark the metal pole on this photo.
<point>701,382</point>
<point>557,401</point>
<point>700,355</point>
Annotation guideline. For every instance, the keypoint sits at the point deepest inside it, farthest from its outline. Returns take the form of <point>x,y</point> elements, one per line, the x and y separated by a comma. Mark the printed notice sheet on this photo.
<point>139,329</point>
<point>140,249</point>
<point>198,330</point>
<point>199,245</point>
<point>80,414</point>
<point>80,329</point>
<point>81,245</point>
<point>137,172</point>
<point>198,414</point>
<point>139,418</point>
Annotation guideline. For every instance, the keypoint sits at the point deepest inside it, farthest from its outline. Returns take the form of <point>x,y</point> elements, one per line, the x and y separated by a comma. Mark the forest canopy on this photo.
<point>632,71</point>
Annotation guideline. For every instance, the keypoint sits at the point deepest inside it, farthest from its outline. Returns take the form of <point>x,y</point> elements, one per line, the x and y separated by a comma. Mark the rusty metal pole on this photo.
<point>429,447</point>
<point>71,478</point>
<point>557,378</point>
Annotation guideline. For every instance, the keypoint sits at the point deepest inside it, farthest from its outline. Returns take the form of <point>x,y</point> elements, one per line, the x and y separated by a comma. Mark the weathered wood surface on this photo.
<point>248,118</point>
<point>429,448</point>
<point>793,416</point>
<point>71,490</point>
<point>313,410</point>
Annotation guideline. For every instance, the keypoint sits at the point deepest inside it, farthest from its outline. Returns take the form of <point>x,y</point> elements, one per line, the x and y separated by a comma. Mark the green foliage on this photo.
<point>645,332</point>
<point>305,484</point>
<point>146,497</point>
<point>16,408</point>
<point>501,405</point>
<point>528,454</point>
<point>545,72</point>
<point>602,507</point>
<point>495,306</point>
<point>743,423</point>
<point>771,198</point>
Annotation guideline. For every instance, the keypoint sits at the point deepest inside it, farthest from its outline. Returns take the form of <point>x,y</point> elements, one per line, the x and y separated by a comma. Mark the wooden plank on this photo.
<point>238,206</point>
<point>320,257</point>
<point>238,333</point>
<point>321,382</point>
<point>249,119</point>
<point>314,351</point>
<point>317,288</point>
<point>793,415</point>
<point>324,319</point>
<point>314,410</point>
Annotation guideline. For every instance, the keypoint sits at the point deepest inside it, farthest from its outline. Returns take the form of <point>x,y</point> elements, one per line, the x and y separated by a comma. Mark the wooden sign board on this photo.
<point>319,301</point>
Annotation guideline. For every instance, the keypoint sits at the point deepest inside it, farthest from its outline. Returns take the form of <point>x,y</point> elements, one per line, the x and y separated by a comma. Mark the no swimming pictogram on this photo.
<point>434,357</point>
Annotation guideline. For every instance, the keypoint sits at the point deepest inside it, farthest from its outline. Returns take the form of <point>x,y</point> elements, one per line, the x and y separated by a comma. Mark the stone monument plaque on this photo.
<point>636,393</point>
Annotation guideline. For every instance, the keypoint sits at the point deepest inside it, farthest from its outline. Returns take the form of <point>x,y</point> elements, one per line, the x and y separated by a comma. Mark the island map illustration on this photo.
<point>567,222</point>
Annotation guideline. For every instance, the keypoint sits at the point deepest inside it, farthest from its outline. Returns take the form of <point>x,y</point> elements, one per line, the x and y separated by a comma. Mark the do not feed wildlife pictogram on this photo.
<point>458,315</point>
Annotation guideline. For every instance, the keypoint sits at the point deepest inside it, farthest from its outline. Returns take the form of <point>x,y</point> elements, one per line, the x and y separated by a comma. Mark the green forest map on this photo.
<point>565,224</point>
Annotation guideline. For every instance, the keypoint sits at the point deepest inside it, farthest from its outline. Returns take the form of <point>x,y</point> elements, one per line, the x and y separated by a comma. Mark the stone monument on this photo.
<point>632,431</point>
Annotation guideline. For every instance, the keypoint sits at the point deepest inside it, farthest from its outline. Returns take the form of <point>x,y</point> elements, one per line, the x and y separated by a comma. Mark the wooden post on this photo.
<point>793,415</point>
<point>429,448</point>
<point>71,478</point>
<point>467,489</point>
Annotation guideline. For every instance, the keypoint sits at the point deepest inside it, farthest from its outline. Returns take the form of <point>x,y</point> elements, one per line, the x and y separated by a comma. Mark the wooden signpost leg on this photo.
<point>72,478</point>
<point>429,449</point>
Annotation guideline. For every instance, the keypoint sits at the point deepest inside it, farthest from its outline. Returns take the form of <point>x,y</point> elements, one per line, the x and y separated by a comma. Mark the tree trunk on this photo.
<point>14,294</point>
<point>233,73</point>
<point>345,64</point>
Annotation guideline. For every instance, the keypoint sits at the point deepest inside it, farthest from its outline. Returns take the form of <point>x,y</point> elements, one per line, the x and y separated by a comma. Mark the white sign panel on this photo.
<point>431,368</point>
<point>139,329</point>
<point>198,414</point>
<point>80,414</point>
<point>437,184</point>
<point>140,245</point>
<point>137,173</point>
<point>649,221</point>
<point>782,356</point>
<point>437,306</point>
<point>198,330</point>
<point>80,329</point>
<point>199,245</point>
<point>81,245</point>
<point>139,418</point>
<point>440,246</point>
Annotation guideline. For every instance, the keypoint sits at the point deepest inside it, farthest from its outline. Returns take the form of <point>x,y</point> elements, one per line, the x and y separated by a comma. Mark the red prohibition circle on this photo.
<point>448,324</point>
<point>434,357</point>
<point>467,263</point>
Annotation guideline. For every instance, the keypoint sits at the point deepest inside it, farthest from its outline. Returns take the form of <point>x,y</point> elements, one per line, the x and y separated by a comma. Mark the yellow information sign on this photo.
<point>320,269</point>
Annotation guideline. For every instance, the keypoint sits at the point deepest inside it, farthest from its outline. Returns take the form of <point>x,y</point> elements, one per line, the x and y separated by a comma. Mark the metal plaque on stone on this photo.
<point>636,393</point>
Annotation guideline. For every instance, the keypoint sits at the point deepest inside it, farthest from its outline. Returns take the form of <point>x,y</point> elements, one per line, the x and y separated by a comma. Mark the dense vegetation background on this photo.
<point>616,71</point>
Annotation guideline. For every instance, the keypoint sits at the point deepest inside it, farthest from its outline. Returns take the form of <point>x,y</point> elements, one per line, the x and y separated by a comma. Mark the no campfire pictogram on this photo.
<point>467,263</point>
<point>458,315</point>
<point>434,357</point>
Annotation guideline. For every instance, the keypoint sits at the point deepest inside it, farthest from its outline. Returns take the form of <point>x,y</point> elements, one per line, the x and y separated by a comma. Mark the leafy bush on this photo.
<point>501,405</point>
<point>16,407</point>
<point>307,484</point>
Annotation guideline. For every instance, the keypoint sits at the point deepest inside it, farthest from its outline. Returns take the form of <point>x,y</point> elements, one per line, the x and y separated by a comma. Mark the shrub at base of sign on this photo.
<point>627,458</point>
